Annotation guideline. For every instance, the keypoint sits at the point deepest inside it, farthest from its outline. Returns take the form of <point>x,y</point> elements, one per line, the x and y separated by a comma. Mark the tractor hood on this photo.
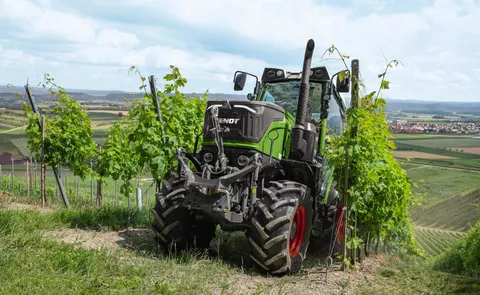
<point>242,120</point>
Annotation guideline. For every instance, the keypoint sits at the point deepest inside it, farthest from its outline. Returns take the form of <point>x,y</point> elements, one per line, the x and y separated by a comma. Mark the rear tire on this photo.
<point>177,227</point>
<point>275,244</point>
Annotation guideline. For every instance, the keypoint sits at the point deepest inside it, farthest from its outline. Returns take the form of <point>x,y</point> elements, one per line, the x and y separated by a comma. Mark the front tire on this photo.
<point>177,227</point>
<point>281,227</point>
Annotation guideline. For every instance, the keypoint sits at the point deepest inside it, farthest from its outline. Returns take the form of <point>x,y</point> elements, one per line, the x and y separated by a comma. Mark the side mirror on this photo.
<point>343,85</point>
<point>239,81</point>
<point>250,97</point>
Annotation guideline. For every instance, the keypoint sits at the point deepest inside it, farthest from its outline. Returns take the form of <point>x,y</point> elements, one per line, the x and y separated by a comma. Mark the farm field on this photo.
<point>438,183</point>
<point>421,155</point>
<point>456,158</point>
<point>472,150</point>
<point>446,142</point>
<point>428,136</point>
<point>456,213</point>
<point>433,241</point>
<point>14,139</point>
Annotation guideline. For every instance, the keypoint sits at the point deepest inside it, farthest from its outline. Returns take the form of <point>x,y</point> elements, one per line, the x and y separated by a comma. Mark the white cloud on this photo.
<point>438,44</point>
<point>41,23</point>
<point>116,38</point>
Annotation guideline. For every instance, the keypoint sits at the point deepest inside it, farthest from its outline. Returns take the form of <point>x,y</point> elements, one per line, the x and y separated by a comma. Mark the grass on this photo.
<point>410,276</point>
<point>435,183</point>
<point>80,193</point>
<point>456,213</point>
<point>39,265</point>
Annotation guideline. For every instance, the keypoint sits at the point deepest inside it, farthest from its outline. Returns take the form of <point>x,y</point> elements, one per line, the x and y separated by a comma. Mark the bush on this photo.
<point>464,256</point>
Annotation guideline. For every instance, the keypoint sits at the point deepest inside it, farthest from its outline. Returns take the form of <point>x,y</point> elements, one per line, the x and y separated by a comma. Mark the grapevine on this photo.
<point>141,140</point>
<point>378,187</point>
<point>68,133</point>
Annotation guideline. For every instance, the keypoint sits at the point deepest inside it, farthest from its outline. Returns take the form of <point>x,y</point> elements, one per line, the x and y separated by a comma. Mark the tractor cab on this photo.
<point>283,88</point>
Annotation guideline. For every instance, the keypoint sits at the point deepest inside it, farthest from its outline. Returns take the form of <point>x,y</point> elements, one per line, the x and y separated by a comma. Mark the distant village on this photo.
<point>403,126</point>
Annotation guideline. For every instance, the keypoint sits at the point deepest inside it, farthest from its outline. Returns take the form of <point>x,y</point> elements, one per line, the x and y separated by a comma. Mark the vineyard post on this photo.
<point>35,173</point>
<point>65,174</point>
<point>30,176</point>
<point>13,173</point>
<point>153,90</point>
<point>139,198</point>
<point>26,179</point>
<point>99,187</point>
<point>116,193</point>
<point>355,104</point>
<point>77,185</point>
<point>54,168</point>
<point>60,178</point>
<point>43,167</point>
<point>91,183</point>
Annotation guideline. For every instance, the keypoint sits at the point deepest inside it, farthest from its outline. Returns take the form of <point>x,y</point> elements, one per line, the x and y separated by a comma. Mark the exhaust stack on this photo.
<point>298,147</point>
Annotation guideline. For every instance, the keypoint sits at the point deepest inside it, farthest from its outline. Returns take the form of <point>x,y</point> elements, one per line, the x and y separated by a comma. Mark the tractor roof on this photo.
<point>317,74</point>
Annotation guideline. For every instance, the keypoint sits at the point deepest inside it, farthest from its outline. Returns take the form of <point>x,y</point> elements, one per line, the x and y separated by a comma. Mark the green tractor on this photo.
<point>261,169</point>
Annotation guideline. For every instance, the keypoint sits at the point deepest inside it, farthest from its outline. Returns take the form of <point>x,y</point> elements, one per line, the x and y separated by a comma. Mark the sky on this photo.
<point>87,44</point>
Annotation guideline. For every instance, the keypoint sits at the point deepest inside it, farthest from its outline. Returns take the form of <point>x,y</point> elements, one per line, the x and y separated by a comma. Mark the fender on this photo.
<point>326,184</point>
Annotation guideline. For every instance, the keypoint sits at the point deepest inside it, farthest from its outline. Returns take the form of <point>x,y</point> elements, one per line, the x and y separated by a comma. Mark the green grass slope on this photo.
<point>433,241</point>
<point>456,213</point>
<point>438,183</point>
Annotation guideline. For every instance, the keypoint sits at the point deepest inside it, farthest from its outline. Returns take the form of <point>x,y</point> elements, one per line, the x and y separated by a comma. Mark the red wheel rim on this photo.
<point>339,233</point>
<point>300,221</point>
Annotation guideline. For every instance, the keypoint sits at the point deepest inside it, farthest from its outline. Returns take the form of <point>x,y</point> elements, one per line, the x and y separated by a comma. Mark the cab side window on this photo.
<point>334,119</point>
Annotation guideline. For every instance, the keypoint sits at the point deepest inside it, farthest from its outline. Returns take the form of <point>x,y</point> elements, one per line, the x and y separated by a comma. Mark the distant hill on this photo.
<point>9,100</point>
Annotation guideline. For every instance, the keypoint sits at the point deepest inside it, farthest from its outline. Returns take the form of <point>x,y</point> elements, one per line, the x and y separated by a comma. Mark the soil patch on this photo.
<point>419,155</point>
<point>310,281</point>
<point>9,201</point>
<point>471,150</point>
<point>131,238</point>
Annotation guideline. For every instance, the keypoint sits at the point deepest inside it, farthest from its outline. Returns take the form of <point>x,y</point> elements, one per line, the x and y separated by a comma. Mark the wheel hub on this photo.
<point>297,231</point>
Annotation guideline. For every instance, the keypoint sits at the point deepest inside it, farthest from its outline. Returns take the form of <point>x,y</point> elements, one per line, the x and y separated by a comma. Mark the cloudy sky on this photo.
<point>92,44</point>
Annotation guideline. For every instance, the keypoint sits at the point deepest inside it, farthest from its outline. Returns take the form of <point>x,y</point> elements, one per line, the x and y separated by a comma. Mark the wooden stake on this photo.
<point>13,173</point>
<point>35,173</point>
<point>116,193</point>
<point>43,168</point>
<point>26,180</point>
<point>99,188</point>
<point>30,176</point>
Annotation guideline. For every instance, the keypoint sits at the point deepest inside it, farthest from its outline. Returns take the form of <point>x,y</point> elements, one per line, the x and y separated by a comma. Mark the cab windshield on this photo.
<point>285,94</point>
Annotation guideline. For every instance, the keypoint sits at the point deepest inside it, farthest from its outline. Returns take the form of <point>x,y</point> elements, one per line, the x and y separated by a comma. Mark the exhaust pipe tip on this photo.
<point>310,45</point>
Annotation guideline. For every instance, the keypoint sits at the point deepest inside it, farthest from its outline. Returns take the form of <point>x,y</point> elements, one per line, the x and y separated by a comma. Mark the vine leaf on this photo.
<point>385,84</point>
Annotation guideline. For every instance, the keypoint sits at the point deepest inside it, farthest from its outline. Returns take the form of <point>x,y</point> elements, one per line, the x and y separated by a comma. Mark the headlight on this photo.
<point>242,160</point>
<point>208,157</point>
